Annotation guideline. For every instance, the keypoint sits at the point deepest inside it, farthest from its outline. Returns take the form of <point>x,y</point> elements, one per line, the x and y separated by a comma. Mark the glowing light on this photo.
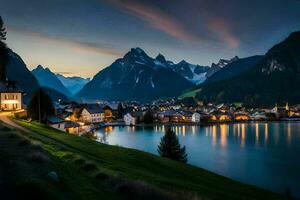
<point>266,132</point>
<point>223,140</point>
<point>256,133</point>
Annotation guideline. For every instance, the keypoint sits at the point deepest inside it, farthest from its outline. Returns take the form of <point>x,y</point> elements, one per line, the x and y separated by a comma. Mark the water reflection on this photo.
<point>263,154</point>
<point>219,134</point>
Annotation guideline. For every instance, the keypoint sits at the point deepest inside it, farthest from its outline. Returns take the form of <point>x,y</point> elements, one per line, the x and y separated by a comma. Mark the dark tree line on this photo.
<point>3,51</point>
<point>40,106</point>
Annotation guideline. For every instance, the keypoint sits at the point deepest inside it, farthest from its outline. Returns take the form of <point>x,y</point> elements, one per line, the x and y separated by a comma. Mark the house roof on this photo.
<point>168,112</point>
<point>94,108</point>
<point>70,124</point>
<point>9,87</point>
<point>54,119</point>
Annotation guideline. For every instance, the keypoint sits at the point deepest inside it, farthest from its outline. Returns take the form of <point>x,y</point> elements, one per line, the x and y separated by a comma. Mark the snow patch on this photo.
<point>152,84</point>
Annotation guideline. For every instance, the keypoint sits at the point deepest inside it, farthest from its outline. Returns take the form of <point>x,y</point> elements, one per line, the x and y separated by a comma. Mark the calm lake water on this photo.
<point>262,154</point>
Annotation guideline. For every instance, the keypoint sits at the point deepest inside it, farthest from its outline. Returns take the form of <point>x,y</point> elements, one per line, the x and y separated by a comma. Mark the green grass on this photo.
<point>191,93</point>
<point>162,173</point>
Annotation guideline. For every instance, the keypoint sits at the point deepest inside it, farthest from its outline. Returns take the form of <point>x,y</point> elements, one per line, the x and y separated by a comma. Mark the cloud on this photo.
<point>219,27</point>
<point>158,19</point>
<point>105,49</point>
<point>163,21</point>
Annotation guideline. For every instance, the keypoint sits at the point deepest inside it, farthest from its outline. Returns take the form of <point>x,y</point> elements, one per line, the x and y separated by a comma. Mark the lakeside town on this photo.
<point>79,118</point>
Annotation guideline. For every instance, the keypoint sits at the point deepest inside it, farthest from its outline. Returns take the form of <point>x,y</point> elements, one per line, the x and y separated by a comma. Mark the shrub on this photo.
<point>102,176</point>
<point>38,157</point>
<point>24,142</point>
<point>79,161</point>
<point>89,167</point>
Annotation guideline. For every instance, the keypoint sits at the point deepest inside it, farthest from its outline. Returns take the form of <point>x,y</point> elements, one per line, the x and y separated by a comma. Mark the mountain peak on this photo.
<point>183,62</point>
<point>160,58</point>
<point>137,51</point>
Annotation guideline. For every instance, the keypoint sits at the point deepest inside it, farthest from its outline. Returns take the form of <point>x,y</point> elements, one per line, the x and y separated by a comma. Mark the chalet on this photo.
<point>191,117</point>
<point>220,117</point>
<point>92,113</point>
<point>241,116</point>
<point>259,116</point>
<point>62,125</point>
<point>281,112</point>
<point>11,96</point>
<point>72,127</point>
<point>133,118</point>
<point>56,122</point>
<point>166,116</point>
<point>129,119</point>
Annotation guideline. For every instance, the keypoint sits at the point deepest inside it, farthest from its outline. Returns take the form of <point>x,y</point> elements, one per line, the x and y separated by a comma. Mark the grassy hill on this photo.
<point>91,170</point>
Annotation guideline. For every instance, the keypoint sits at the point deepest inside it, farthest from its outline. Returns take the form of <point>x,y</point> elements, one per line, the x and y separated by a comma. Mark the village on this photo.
<point>78,118</point>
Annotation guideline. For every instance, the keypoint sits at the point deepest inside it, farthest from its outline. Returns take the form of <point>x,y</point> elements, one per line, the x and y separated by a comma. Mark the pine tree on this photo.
<point>169,147</point>
<point>3,51</point>
<point>40,106</point>
<point>120,110</point>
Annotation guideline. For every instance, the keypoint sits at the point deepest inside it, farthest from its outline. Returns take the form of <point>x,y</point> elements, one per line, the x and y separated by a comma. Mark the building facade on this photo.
<point>10,97</point>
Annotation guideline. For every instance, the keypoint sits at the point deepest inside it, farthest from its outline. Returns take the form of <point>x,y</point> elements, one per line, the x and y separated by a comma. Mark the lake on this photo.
<point>262,154</point>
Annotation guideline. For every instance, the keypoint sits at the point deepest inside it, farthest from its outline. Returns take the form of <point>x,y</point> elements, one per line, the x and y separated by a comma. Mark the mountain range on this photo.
<point>272,78</point>
<point>46,78</point>
<point>136,76</point>
<point>68,86</point>
<point>74,84</point>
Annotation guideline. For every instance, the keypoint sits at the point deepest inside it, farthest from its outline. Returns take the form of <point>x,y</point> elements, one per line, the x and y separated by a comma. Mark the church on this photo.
<point>11,96</point>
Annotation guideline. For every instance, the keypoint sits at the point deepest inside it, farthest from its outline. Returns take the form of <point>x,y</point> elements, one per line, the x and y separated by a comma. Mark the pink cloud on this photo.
<point>158,19</point>
<point>222,30</point>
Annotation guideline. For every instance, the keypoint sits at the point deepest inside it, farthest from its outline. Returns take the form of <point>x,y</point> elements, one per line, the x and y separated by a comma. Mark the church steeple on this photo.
<point>287,108</point>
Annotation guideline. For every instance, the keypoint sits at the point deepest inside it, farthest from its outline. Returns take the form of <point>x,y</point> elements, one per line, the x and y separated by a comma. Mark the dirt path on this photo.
<point>4,117</point>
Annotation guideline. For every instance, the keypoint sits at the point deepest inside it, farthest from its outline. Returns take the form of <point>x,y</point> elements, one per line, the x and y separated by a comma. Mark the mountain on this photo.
<point>73,84</point>
<point>55,95</point>
<point>17,70</point>
<point>136,76</point>
<point>48,79</point>
<point>234,68</point>
<point>216,67</point>
<point>193,73</point>
<point>274,79</point>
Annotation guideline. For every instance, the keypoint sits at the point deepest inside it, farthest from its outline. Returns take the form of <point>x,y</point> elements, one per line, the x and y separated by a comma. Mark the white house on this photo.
<point>129,119</point>
<point>196,117</point>
<point>56,122</point>
<point>10,96</point>
<point>62,125</point>
<point>92,113</point>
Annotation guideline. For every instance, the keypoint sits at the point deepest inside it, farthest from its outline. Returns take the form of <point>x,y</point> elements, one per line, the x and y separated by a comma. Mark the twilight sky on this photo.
<point>81,37</point>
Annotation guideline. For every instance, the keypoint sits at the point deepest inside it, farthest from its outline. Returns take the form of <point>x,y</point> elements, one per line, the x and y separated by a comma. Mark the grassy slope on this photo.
<point>24,168</point>
<point>190,93</point>
<point>162,173</point>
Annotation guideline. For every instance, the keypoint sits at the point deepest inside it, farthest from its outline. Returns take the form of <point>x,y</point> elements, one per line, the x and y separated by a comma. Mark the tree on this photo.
<point>121,110</point>
<point>40,106</point>
<point>148,118</point>
<point>169,147</point>
<point>4,56</point>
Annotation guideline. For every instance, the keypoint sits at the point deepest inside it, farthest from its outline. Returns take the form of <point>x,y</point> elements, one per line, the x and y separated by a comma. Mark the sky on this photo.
<point>81,37</point>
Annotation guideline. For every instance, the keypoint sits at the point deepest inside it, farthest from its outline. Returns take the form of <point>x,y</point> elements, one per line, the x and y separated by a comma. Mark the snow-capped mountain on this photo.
<point>193,73</point>
<point>46,78</point>
<point>136,76</point>
<point>216,67</point>
<point>73,84</point>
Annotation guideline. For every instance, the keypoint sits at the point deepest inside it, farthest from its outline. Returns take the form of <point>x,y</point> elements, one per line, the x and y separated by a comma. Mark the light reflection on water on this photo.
<point>263,154</point>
